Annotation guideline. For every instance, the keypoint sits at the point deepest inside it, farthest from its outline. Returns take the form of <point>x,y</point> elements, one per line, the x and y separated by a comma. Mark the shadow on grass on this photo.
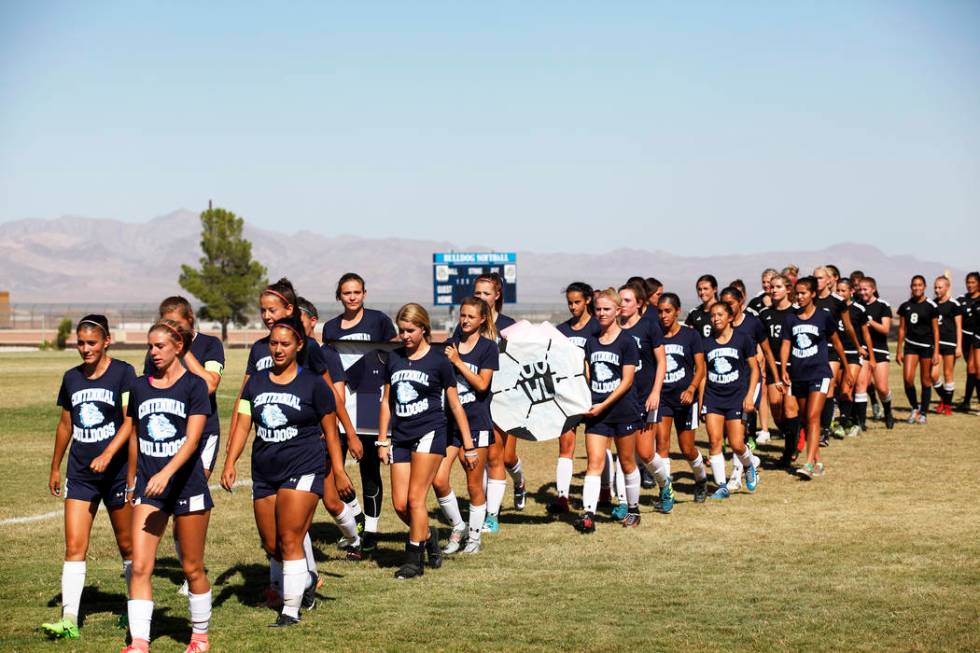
<point>95,601</point>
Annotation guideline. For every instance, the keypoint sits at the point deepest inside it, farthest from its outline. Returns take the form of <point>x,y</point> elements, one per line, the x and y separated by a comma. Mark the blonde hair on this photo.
<point>177,333</point>
<point>611,294</point>
<point>489,328</point>
<point>417,315</point>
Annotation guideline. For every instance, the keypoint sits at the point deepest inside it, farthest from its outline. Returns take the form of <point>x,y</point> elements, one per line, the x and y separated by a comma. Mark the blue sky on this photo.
<point>698,128</point>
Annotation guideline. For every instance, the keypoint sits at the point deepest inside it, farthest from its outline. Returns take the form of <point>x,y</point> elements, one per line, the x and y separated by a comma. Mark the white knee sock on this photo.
<point>620,482</point>
<point>275,575</point>
<point>607,472</point>
<point>633,488</point>
<point>718,468</point>
<point>347,524</point>
<point>495,494</point>
<point>140,613</point>
<point>477,515</point>
<point>371,524</point>
<point>354,506</point>
<point>72,583</point>
<point>310,558</point>
<point>516,474</point>
<point>746,458</point>
<point>200,609</point>
<point>590,492</point>
<point>697,466</point>
<point>661,469</point>
<point>127,574</point>
<point>563,475</point>
<point>294,577</point>
<point>450,509</point>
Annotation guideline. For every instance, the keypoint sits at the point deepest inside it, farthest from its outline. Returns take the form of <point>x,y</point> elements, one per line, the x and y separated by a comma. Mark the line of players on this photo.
<point>146,446</point>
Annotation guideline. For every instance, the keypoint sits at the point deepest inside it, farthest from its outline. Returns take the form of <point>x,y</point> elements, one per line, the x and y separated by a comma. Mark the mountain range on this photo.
<point>78,259</point>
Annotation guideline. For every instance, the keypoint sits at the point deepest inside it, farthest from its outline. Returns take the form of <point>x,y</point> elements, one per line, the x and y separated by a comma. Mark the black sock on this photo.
<point>753,425</point>
<point>926,396</point>
<point>976,384</point>
<point>940,391</point>
<point>886,404</point>
<point>860,412</point>
<point>791,435</point>
<point>910,395</point>
<point>968,392</point>
<point>845,410</point>
<point>827,415</point>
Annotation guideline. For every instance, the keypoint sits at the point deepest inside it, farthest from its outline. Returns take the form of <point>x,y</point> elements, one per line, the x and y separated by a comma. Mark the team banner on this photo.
<point>364,364</point>
<point>540,390</point>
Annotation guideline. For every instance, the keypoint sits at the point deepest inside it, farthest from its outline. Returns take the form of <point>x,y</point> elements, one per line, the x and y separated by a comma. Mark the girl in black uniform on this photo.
<point>699,319</point>
<point>970,300</point>
<point>918,345</point>
<point>293,412</point>
<point>950,343</point>
<point>879,313</point>
<point>93,399</point>
<point>826,278</point>
<point>578,329</point>
<point>417,377</point>
<point>781,401</point>
<point>854,413</point>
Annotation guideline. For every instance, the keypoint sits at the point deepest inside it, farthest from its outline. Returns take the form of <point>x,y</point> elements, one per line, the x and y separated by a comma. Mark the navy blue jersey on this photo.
<point>606,364</point>
<point>728,367</point>
<point>334,365</point>
<point>772,320</point>
<point>259,357</point>
<point>374,326</point>
<point>648,336</point>
<point>579,337</point>
<point>918,321</point>
<point>752,327</point>
<point>98,408</point>
<point>699,319</point>
<point>210,353</point>
<point>287,421</point>
<point>947,312</point>
<point>484,356</point>
<point>877,311</point>
<point>417,388</point>
<point>679,350</point>
<point>652,313</point>
<point>859,317</point>
<point>809,338</point>
<point>160,418</point>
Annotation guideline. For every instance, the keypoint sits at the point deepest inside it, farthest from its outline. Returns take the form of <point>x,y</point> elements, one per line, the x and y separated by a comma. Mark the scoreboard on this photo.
<point>453,274</point>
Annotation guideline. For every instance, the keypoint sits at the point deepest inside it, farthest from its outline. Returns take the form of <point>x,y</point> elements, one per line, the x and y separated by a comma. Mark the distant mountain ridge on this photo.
<point>77,259</point>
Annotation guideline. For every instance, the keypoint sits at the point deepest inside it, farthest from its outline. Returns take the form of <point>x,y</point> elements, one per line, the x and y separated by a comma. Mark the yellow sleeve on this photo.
<point>125,399</point>
<point>214,366</point>
<point>245,407</point>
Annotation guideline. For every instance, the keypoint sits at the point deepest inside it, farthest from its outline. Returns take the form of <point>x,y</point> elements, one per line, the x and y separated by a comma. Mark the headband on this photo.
<point>171,328</point>
<point>93,323</point>
<point>270,291</point>
<point>300,336</point>
<point>309,313</point>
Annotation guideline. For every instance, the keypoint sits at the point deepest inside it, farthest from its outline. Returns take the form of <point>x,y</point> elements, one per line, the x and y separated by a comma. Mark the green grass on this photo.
<point>882,554</point>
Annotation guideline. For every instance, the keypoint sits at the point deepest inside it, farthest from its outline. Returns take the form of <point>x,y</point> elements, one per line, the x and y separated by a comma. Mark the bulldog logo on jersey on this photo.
<point>158,427</point>
<point>803,341</point>
<point>722,366</point>
<point>671,364</point>
<point>90,415</point>
<point>602,372</point>
<point>405,392</point>
<point>272,416</point>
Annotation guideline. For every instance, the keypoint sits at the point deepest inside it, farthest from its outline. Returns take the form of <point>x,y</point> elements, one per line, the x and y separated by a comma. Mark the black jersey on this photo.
<point>700,320</point>
<point>970,307</point>
<point>918,318</point>
<point>773,319</point>
<point>859,317</point>
<point>877,311</point>
<point>947,312</point>
<point>757,304</point>
<point>833,303</point>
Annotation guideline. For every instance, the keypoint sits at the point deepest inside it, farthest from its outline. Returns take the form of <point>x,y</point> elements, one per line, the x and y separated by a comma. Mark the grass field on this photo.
<point>881,554</point>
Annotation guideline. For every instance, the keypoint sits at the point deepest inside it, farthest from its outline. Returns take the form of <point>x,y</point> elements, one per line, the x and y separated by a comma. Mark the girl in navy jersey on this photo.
<point>292,409</point>
<point>782,403</point>
<point>806,370</point>
<point>206,359</point>
<point>918,346</point>
<point>729,393</point>
<point>578,329</point>
<point>827,299</point>
<point>684,371</point>
<point>699,319</point>
<point>879,314</point>
<point>950,343</point>
<point>93,398</point>
<point>502,457</point>
<point>854,413</point>
<point>647,385</point>
<point>417,377</point>
<point>368,325</point>
<point>970,300</point>
<point>169,409</point>
<point>475,357</point>
<point>611,358</point>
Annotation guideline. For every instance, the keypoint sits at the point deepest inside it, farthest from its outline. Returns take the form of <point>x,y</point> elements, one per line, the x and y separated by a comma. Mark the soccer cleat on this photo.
<point>700,491</point>
<point>825,438</point>
<point>734,483</point>
<point>491,524</point>
<point>353,553</point>
<point>751,478</point>
<point>472,546</point>
<point>618,512</point>
<point>632,518</point>
<point>854,431</point>
<point>763,437</point>
<point>940,408</point>
<point>520,497</point>
<point>646,480</point>
<point>921,419</point>
<point>412,568</point>
<point>559,506</point>
<point>61,629</point>
<point>197,646</point>
<point>806,471</point>
<point>750,443</point>
<point>284,621</point>
<point>962,407</point>
<point>666,497</point>
<point>432,551</point>
<point>818,469</point>
<point>369,542</point>
<point>184,589</point>
<point>913,416</point>
<point>721,493</point>
<point>889,421</point>
<point>408,570</point>
<point>585,523</point>
<point>309,597</point>
<point>456,537</point>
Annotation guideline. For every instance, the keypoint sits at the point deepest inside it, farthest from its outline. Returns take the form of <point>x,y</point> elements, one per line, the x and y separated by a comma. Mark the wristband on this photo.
<point>469,453</point>
<point>381,443</point>
<point>130,490</point>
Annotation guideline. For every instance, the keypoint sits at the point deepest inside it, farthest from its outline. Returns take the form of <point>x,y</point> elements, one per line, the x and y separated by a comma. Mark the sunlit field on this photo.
<point>883,553</point>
